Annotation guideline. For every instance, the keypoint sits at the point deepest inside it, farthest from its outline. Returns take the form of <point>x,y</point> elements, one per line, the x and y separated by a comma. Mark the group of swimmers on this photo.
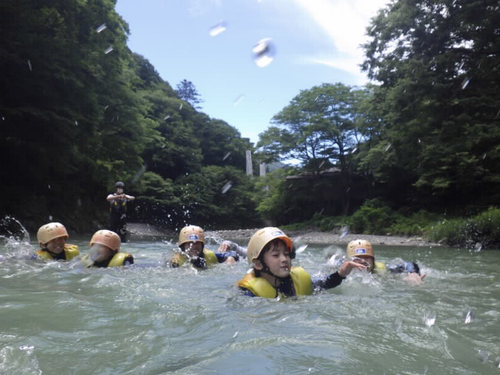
<point>270,253</point>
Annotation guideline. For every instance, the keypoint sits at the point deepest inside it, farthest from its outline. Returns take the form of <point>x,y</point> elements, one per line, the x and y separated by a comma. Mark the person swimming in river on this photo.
<point>270,251</point>
<point>118,210</point>
<point>105,251</point>
<point>361,251</point>
<point>192,247</point>
<point>52,240</point>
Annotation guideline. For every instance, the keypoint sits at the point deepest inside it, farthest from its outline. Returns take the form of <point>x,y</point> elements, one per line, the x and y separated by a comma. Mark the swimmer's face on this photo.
<point>99,253</point>
<point>193,249</point>
<point>366,260</point>
<point>56,246</point>
<point>277,258</point>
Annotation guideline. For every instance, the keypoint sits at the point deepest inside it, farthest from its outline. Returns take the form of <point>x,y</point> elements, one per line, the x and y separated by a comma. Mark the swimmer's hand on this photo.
<point>346,268</point>
<point>224,247</point>
<point>415,279</point>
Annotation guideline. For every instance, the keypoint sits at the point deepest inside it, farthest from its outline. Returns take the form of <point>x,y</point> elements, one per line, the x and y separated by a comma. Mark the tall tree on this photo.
<point>186,90</point>
<point>437,62</point>
<point>320,127</point>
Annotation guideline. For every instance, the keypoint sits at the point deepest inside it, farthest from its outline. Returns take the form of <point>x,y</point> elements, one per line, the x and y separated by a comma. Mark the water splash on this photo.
<point>226,187</point>
<point>263,53</point>
<point>301,249</point>
<point>465,82</point>
<point>101,28</point>
<point>469,316</point>
<point>429,318</point>
<point>238,99</point>
<point>217,29</point>
<point>344,231</point>
<point>483,355</point>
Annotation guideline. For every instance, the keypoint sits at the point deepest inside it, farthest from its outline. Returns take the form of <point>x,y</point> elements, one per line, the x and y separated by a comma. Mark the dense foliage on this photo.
<point>80,111</point>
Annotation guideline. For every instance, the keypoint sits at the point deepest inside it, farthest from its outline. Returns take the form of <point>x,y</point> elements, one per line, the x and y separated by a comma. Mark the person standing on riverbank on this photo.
<point>118,210</point>
<point>361,251</point>
<point>52,240</point>
<point>270,251</point>
<point>105,251</point>
<point>192,247</point>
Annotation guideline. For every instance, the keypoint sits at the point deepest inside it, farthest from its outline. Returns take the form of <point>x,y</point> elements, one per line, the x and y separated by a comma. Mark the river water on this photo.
<point>57,318</point>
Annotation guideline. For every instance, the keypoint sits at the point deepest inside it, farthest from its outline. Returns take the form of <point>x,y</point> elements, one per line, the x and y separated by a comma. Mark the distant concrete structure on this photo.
<point>249,163</point>
<point>262,169</point>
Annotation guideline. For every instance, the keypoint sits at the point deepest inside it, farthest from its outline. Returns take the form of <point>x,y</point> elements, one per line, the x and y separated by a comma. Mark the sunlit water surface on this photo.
<point>149,319</point>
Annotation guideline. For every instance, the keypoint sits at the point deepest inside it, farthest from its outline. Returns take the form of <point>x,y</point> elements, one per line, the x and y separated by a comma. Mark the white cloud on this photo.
<point>344,22</point>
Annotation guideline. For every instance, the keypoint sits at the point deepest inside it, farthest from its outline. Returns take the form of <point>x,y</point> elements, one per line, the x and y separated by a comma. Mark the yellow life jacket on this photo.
<point>180,258</point>
<point>262,288</point>
<point>119,259</point>
<point>70,251</point>
<point>379,268</point>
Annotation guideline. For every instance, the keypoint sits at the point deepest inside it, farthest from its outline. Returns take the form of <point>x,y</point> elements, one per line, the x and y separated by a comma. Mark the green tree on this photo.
<point>186,91</point>
<point>437,64</point>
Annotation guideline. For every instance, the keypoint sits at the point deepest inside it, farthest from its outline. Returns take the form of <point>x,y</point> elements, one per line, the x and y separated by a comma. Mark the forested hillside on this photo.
<point>80,111</point>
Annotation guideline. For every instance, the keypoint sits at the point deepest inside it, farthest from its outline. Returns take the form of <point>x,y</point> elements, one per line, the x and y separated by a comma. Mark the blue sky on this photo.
<point>315,41</point>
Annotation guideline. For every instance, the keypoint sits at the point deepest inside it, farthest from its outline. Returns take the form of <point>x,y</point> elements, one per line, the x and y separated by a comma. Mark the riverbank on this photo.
<point>311,237</point>
<point>315,237</point>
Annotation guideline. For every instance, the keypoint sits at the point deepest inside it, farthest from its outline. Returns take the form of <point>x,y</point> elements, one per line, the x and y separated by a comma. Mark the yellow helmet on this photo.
<point>262,237</point>
<point>50,231</point>
<point>191,233</point>
<point>359,247</point>
<point>107,238</point>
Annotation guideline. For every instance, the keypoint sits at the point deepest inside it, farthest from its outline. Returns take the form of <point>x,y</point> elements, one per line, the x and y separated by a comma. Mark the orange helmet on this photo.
<point>262,237</point>
<point>359,247</point>
<point>191,233</point>
<point>107,238</point>
<point>50,231</point>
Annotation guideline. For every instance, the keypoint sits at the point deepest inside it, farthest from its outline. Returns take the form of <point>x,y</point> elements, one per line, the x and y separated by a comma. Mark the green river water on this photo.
<point>57,318</point>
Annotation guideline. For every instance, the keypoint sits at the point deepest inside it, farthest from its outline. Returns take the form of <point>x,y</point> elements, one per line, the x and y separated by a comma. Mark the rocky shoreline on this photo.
<point>311,237</point>
<point>315,237</point>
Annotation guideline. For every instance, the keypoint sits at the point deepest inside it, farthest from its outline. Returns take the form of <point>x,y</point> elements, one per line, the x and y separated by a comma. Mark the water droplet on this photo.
<point>217,29</point>
<point>469,316</point>
<point>344,231</point>
<point>180,107</point>
<point>50,217</point>
<point>263,53</point>
<point>48,186</point>
<point>397,325</point>
<point>101,28</point>
<point>483,355</point>
<point>461,65</point>
<point>477,247</point>
<point>419,141</point>
<point>301,249</point>
<point>227,186</point>
<point>429,318</point>
<point>226,156</point>
<point>484,155</point>
<point>465,82</point>
<point>387,147</point>
<point>166,117</point>
<point>106,107</point>
<point>76,123</point>
<point>354,150</point>
<point>497,362</point>
<point>29,65</point>
<point>163,145</point>
<point>108,50</point>
<point>235,334</point>
<point>238,99</point>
